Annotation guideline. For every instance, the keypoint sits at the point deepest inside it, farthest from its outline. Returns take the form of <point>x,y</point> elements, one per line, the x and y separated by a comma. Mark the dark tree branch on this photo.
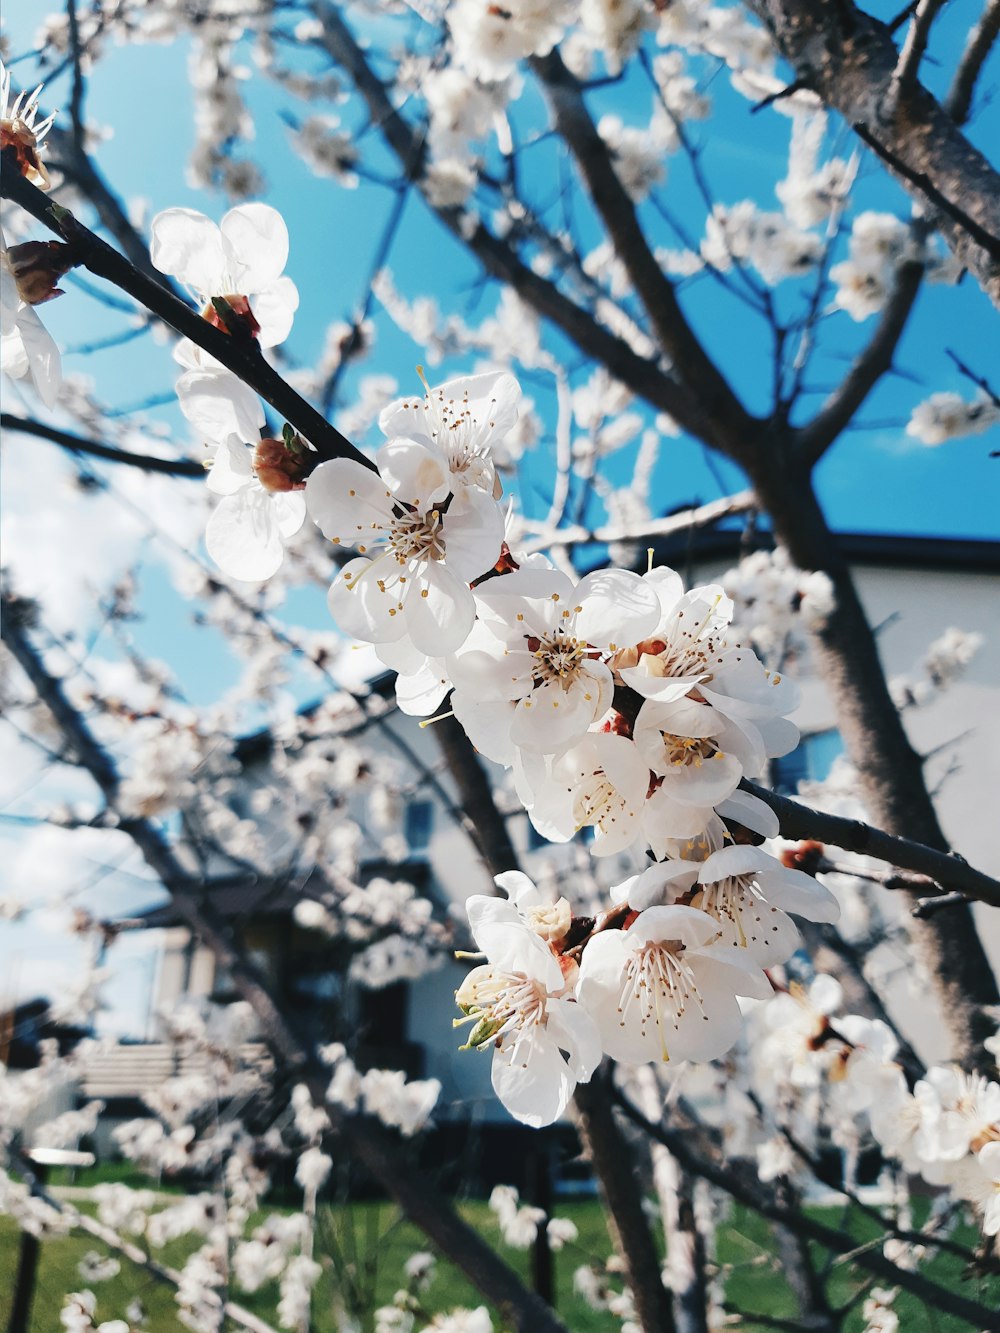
<point>952,872</point>
<point>849,59</point>
<point>76,444</point>
<point>724,420</point>
<point>915,44</point>
<point>613,1161</point>
<point>890,771</point>
<point>611,1154</point>
<point>241,355</point>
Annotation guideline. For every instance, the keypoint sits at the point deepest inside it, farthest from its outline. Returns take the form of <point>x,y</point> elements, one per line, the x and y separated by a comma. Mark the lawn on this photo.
<point>365,1245</point>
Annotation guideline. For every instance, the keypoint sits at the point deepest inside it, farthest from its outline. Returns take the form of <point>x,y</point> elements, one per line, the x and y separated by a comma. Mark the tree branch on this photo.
<point>959,100</point>
<point>614,1164</point>
<point>724,420</point>
<point>76,444</point>
<point>849,59</point>
<point>915,43</point>
<point>799,821</point>
<point>890,771</point>
<point>242,356</point>
<point>644,377</point>
<point>702,516</point>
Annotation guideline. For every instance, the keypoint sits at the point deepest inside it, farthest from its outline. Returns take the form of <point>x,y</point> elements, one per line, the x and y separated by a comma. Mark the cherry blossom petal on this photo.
<point>473,536</point>
<point>242,536</point>
<point>231,468</point>
<point>439,609</point>
<point>487,725</point>
<point>419,693</point>
<point>533,1081</point>
<point>348,502</point>
<point>418,476</point>
<point>189,246</point>
<point>256,239</point>
<point>274,310</point>
<point>219,405</point>
<point>31,350</point>
<point>575,1032</point>
<point>551,718</point>
<point>617,609</point>
<point>361,608</point>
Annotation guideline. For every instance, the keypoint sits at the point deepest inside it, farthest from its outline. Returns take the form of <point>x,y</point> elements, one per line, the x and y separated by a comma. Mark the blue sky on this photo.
<point>876,479</point>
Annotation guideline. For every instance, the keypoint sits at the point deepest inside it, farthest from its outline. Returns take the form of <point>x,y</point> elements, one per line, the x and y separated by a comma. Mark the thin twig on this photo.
<point>958,103</point>
<point>76,444</point>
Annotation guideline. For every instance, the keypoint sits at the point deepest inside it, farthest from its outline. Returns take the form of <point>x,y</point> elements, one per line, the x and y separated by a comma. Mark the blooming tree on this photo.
<point>677,982</point>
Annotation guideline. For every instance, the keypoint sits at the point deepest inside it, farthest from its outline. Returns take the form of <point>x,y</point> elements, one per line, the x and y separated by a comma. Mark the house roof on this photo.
<point>861,548</point>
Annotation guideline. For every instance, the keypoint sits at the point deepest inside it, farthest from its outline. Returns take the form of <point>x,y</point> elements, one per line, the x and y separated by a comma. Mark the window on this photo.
<point>417,825</point>
<point>810,761</point>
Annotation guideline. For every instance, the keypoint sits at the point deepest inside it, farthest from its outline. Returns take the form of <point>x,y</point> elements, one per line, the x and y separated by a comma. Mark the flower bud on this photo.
<point>230,312</point>
<point>281,465</point>
<point>37,266</point>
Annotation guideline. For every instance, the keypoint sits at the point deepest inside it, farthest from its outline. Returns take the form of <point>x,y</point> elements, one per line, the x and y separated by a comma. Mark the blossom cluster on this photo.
<point>621,705</point>
<point>943,1126</point>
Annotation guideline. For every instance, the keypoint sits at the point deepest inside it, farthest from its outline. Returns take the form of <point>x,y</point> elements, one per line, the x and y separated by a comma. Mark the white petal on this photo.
<point>533,1082</point>
<point>618,609</point>
<point>473,536</point>
<point>256,239</point>
<point>219,405</point>
<point>188,245</point>
<point>519,888</point>
<point>575,1032</point>
<point>231,469</point>
<point>417,475</point>
<point>349,503</point>
<point>41,354</point>
<point>797,892</point>
<point>551,718</point>
<point>361,608</point>
<point>274,310</point>
<point>439,609</point>
<point>487,725</point>
<point>421,692</point>
<point>242,536</point>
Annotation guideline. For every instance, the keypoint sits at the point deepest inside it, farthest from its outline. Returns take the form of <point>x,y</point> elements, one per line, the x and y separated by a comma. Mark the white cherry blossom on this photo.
<point>27,349</point>
<point>599,783</point>
<point>416,581</point>
<point>242,259</point>
<point>541,645</point>
<point>664,989</point>
<point>247,532</point>
<point>543,1043</point>
<point>463,418</point>
<point>748,893</point>
<point>215,401</point>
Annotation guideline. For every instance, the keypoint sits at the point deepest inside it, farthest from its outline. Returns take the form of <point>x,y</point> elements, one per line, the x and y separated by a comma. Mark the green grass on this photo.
<point>363,1248</point>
